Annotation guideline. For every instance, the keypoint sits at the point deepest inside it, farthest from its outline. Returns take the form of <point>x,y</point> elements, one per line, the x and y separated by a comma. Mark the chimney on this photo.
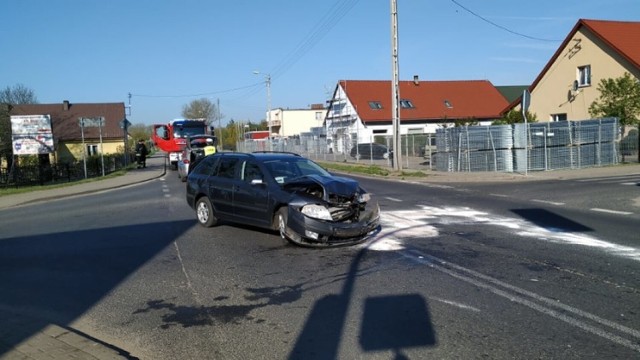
<point>416,81</point>
<point>65,105</point>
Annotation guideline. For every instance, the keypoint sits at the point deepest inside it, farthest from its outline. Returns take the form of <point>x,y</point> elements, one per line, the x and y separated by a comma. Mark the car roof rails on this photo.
<point>275,152</point>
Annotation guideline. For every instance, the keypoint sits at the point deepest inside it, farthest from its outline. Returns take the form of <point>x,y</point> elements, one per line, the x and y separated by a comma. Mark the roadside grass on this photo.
<point>374,170</point>
<point>25,189</point>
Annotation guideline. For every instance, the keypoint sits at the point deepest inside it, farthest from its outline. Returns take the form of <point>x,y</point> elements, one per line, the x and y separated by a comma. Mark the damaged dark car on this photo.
<point>284,192</point>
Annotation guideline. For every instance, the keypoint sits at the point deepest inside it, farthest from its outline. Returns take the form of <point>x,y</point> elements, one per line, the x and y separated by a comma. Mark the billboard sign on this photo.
<point>31,134</point>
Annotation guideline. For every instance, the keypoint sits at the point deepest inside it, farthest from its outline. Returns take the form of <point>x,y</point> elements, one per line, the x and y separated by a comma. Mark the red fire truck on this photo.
<point>171,137</point>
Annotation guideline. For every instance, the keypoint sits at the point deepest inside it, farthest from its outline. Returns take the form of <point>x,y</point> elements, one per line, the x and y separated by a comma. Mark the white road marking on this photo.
<point>397,225</point>
<point>531,300</point>
<point>421,223</point>
<point>609,178</point>
<point>612,211</point>
<point>393,199</point>
<point>499,195</point>
<point>629,183</point>
<point>456,304</point>
<point>548,202</point>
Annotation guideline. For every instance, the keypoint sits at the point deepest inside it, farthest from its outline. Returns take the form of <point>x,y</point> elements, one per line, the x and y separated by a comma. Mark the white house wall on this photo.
<point>344,127</point>
<point>292,122</point>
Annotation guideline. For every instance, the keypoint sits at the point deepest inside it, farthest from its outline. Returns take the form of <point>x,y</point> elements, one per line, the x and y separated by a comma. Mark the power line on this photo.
<point>337,11</point>
<point>500,26</point>
<point>201,94</point>
<point>332,17</point>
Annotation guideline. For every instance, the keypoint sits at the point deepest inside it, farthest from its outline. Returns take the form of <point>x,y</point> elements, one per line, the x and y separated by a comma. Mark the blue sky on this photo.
<point>166,53</point>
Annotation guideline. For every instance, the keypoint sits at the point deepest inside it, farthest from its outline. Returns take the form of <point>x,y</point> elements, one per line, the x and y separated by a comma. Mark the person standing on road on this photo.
<point>141,154</point>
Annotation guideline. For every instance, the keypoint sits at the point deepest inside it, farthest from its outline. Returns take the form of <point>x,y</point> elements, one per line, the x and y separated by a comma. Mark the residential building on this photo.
<point>70,140</point>
<point>292,122</point>
<point>592,51</point>
<point>362,109</point>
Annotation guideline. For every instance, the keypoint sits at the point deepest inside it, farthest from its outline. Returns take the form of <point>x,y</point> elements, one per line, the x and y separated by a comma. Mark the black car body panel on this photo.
<point>370,151</point>
<point>251,189</point>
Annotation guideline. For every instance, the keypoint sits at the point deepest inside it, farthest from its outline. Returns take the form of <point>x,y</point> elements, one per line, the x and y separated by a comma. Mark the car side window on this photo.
<point>206,166</point>
<point>227,168</point>
<point>251,171</point>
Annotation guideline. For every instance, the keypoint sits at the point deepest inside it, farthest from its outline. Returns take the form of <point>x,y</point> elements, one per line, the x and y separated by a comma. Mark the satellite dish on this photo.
<point>574,86</point>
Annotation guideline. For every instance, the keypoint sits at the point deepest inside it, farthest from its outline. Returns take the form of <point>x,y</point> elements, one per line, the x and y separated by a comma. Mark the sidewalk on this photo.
<point>155,169</point>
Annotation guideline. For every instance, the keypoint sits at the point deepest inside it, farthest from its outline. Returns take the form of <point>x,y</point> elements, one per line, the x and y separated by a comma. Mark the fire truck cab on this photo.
<point>171,137</point>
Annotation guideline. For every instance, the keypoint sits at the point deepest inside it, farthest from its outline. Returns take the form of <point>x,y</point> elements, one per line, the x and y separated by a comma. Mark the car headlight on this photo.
<point>363,198</point>
<point>317,212</point>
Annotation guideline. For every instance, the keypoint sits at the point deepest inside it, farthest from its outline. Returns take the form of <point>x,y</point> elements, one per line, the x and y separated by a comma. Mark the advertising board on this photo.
<point>31,134</point>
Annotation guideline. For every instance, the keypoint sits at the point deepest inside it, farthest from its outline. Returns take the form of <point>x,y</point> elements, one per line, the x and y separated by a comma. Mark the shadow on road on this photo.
<point>55,278</point>
<point>550,220</point>
<point>390,322</point>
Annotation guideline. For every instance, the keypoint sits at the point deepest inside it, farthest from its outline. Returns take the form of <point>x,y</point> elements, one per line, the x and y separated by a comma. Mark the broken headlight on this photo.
<point>316,212</point>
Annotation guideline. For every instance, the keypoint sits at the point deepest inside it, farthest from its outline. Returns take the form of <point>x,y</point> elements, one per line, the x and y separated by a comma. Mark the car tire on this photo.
<point>204,212</point>
<point>281,218</point>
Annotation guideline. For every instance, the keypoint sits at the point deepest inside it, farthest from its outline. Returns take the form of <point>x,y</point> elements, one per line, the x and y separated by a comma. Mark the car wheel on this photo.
<point>204,212</point>
<point>282,222</point>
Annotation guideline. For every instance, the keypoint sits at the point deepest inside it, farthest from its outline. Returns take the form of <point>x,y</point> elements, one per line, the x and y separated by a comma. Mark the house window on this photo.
<point>337,107</point>
<point>318,115</point>
<point>406,104</point>
<point>375,105</point>
<point>92,150</point>
<point>558,117</point>
<point>584,75</point>
<point>380,131</point>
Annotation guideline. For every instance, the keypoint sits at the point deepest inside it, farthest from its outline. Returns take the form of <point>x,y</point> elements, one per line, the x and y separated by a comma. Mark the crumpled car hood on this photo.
<point>331,185</point>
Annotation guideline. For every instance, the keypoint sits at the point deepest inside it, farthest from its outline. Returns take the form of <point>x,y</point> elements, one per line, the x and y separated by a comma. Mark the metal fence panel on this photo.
<point>502,148</point>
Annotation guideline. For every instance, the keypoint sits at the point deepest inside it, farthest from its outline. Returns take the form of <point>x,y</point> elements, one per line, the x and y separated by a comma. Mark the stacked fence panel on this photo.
<point>535,146</point>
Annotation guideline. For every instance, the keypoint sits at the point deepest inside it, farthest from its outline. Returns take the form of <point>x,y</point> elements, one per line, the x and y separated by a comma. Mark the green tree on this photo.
<point>202,109</point>
<point>515,117</point>
<point>465,122</point>
<point>137,132</point>
<point>18,94</point>
<point>619,97</point>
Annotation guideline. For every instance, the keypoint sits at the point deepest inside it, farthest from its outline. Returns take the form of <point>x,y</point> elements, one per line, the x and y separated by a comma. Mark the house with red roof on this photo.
<point>69,138</point>
<point>362,109</point>
<point>594,50</point>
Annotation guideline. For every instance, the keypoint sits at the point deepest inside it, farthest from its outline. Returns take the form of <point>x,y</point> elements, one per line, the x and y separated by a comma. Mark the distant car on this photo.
<point>192,152</point>
<point>370,151</point>
<point>284,192</point>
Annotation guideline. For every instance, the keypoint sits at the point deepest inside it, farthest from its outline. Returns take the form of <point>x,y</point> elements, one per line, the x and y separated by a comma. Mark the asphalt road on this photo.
<point>459,271</point>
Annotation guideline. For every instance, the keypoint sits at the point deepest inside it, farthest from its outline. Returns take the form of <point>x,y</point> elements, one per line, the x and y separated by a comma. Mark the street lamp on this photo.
<point>268,82</point>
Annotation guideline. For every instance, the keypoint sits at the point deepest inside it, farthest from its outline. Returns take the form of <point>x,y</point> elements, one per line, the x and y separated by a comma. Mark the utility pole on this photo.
<point>219,121</point>
<point>269,109</point>
<point>395,107</point>
<point>268,82</point>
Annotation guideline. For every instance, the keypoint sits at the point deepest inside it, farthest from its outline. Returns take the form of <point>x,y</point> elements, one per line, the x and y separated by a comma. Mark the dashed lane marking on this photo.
<point>612,211</point>
<point>548,202</point>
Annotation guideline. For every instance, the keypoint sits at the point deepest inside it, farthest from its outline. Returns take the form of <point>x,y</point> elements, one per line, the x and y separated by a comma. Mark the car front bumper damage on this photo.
<point>308,231</point>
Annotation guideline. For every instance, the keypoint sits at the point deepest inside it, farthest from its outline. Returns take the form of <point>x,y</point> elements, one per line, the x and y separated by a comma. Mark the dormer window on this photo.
<point>375,105</point>
<point>406,104</point>
<point>584,75</point>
